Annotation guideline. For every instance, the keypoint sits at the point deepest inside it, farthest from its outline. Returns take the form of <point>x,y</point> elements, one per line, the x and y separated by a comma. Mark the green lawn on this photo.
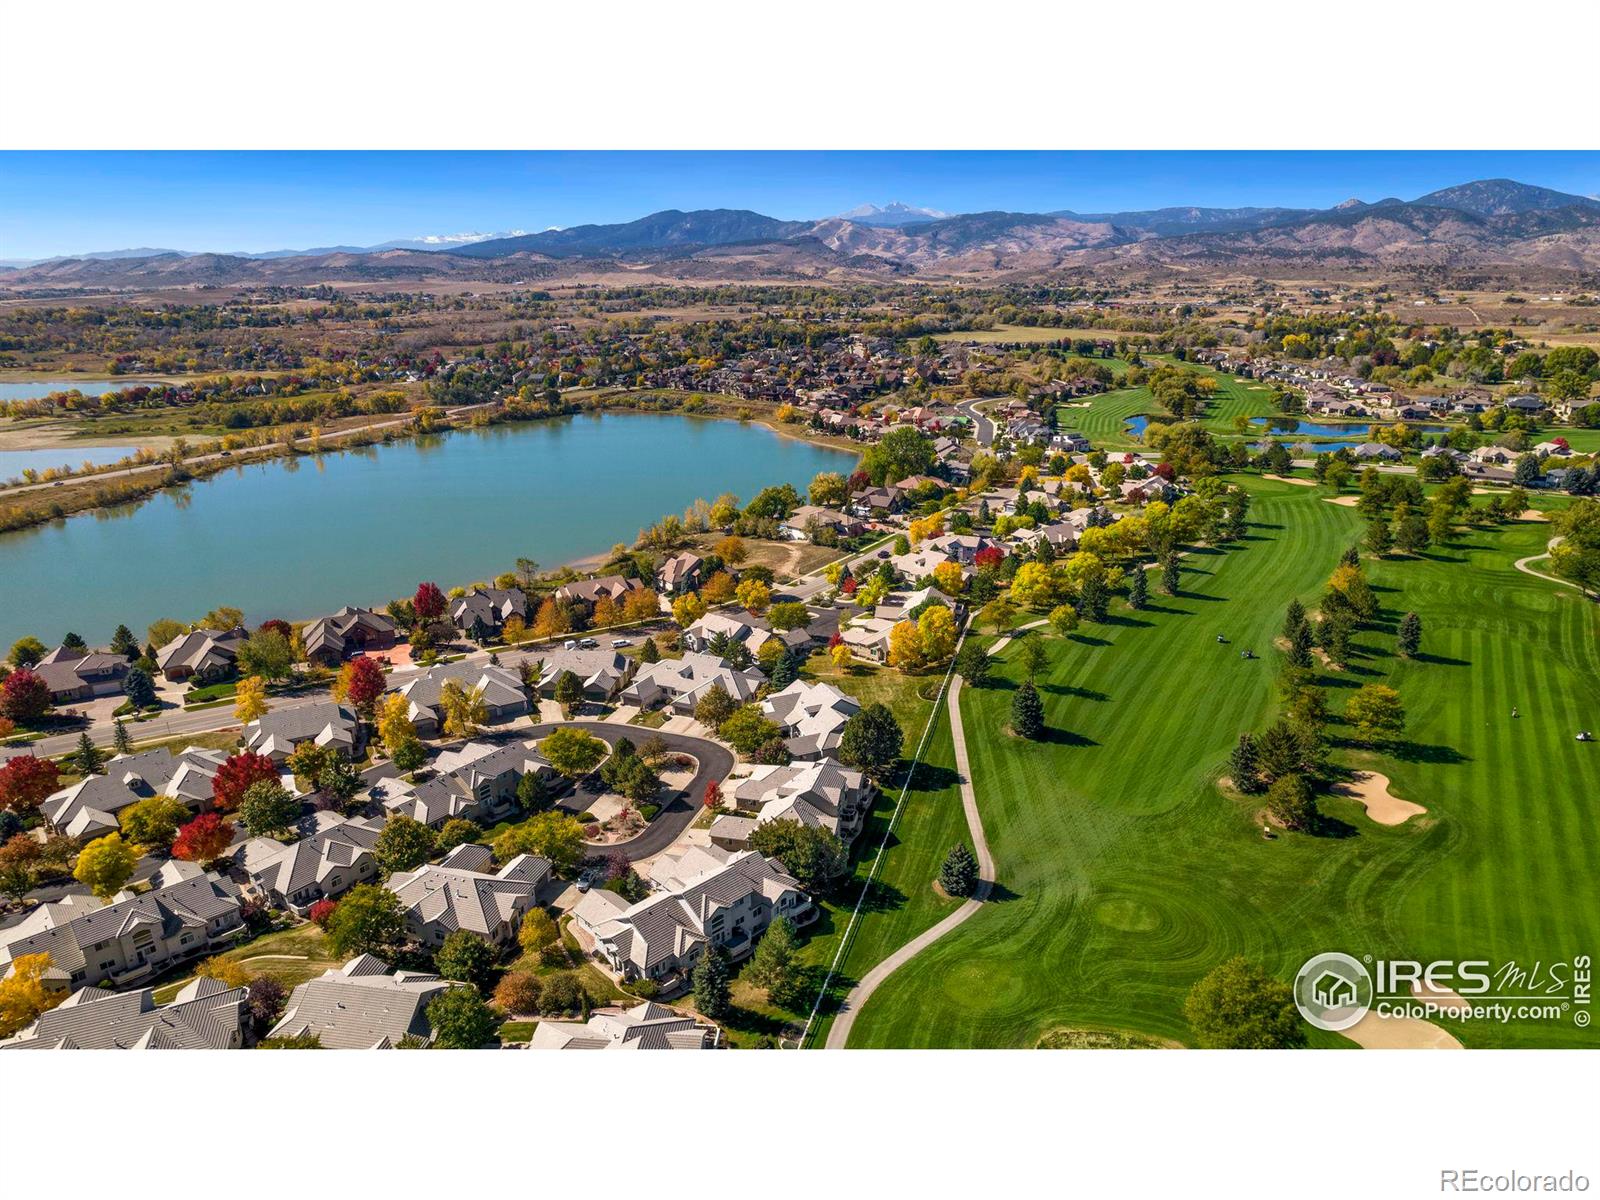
<point>1125,875</point>
<point>291,956</point>
<point>1103,422</point>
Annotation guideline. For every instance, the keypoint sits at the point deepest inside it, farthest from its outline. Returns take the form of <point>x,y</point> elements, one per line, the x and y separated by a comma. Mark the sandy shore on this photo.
<point>59,435</point>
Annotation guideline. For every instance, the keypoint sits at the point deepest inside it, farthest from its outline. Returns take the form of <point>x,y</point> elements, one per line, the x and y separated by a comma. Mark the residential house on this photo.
<point>821,794</point>
<point>485,611</point>
<point>323,866</point>
<point>680,573</point>
<point>1526,404</point>
<point>327,723</point>
<point>363,1005</point>
<point>134,936</point>
<point>877,501</point>
<point>680,682</point>
<point>439,898</point>
<point>73,675</point>
<point>601,672</point>
<point>504,697</point>
<point>477,782</point>
<point>202,654</point>
<point>93,806</point>
<point>1375,452</point>
<point>811,715</point>
<point>206,1014</point>
<point>1497,456</point>
<point>964,548</point>
<point>588,591</point>
<point>329,641</point>
<point>802,524</point>
<point>709,896</point>
<point>646,1026</point>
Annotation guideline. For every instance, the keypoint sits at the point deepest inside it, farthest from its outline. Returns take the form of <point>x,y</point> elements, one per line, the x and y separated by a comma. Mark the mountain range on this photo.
<point>1494,226</point>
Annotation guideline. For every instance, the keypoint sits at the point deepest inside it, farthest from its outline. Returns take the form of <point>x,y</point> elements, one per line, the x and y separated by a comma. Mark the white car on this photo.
<point>569,644</point>
<point>620,643</point>
<point>589,644</point>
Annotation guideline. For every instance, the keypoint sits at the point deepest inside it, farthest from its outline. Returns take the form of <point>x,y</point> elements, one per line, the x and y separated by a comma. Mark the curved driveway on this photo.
<point>712,761</point>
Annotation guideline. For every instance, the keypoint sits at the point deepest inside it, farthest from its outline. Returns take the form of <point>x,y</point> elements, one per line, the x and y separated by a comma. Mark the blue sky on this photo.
<point>64,203</point>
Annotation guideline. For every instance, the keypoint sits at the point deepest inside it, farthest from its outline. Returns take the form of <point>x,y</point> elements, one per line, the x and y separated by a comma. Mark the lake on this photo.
<point>65,454</point>
<point>298,538</point>
<point>37,389</point>
<point>1287,425</point>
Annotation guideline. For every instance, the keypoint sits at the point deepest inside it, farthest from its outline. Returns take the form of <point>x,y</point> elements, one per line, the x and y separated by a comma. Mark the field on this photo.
<point>291,956</point>
<point>1023,333</point>
<point>1125,874</point>
<point>1103,421</point>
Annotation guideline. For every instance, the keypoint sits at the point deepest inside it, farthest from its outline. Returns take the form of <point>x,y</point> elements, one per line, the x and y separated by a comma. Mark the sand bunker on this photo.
<point>1533,514</point>
<point>1372,790</point>
<point>1343,501</point>
<point>1286,479</point>
<point>1373,1032</point>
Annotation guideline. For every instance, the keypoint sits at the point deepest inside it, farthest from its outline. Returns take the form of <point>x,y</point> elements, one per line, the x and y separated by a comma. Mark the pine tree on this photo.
<point>1244,765</point>
<point>1410,639</point>
<point>86,758</point>
<point>119,737</point>
<point>712,993</point>
<point>1300,647</point>
<point>1027,712</point>
<point>123,643</point>
<point>959,875</point>
<point>1138,589</point>
<point>1293,619</point>
<point>1171,574</point>
<point>784,672</point>
<point>1379,540</point>
<point>649,653</point>
<point>1351,557</point>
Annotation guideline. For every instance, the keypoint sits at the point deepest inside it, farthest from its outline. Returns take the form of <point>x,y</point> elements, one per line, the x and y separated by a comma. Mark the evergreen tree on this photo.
<point>124,643</point>
<point>959,874</point>
<point>1293,619</point>
<point>119,737</point>
<point>1244,765</point>
<point>1138,589</point>
<point>73,642</point>
<point>1410,639</point>
<point>140,688</point>
<point>784,671</point>
<point>1171,574</point>
<point>1300,647</point>
<point>1094,598</point>
<point>1291,803</point>
<point>1351,557</point>
<point>1379,540</point>
<point>1027,712</point>
<point>649,653</point>
<point>86,759</point>
<point>712,993</point>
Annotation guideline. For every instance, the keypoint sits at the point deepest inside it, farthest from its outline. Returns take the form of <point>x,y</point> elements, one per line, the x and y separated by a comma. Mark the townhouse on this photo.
<point>477,782</point>
<point>206,1014</point>
<point>646,1026</point>
<point>504,697</point>
<point>336,857</point>
<point>363,1005</point>
<point>821,794</point>
<point>439,898</point>
<point>709,896</point>
<point>812,716</point>
<point>601,673</point>
<point>135,935</point>
<point>93,806</point>
<point>326,722</point>
<point>681,682</point>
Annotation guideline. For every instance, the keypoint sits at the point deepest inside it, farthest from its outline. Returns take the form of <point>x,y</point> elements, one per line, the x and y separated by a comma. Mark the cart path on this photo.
<point>844,1021</point>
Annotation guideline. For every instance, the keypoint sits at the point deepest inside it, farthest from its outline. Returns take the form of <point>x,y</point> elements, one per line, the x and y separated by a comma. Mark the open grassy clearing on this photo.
<point>1125,874</point>
<point>291,956</point>
<point>1023,333</point>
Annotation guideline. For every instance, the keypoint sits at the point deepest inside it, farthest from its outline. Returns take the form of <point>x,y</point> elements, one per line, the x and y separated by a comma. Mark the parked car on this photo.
<point>569,644</point>
<point>589,644</point>
<point>620,643</point>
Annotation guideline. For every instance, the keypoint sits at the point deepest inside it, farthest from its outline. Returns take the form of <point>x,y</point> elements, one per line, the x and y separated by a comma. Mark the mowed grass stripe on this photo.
<point>1129,875</point>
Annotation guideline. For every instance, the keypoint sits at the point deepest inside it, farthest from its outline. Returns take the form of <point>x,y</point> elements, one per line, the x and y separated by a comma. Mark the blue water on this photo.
<point>35,389</point>
<point>1295,425</point>
<point>298,538</point>
<point>14,462</point>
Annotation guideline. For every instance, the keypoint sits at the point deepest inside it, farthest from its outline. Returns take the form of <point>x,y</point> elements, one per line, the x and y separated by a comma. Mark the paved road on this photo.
<point>713,761</point>
<point>983,427</point>
<point>844,1021</point>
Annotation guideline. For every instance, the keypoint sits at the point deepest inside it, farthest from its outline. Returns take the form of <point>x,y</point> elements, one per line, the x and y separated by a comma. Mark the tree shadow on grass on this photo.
<point>1120,619</point>
<point>1332,827</point>
<point>999,893</point>
<point>1065,737</point>
<point>1439,660</point>
<point>1083,639</point>
<point>1170,612</point>
<point>1409,751</point>
<point>931,777</point>
<point>1182,594</point>
<point>1062,689</point>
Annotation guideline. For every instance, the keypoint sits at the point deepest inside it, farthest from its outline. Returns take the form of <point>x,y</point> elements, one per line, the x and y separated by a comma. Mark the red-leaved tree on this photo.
<point>713,796</point>
<point>989,556</point>
<point>321,913</point>
<point>363,684</point>
<point>428,602</point>
<point>236,775</point>
<point>205,838</point>
<point>25,781</point>
<point>278,626</point>
<point>1166,472</point>
<point>24,696</point>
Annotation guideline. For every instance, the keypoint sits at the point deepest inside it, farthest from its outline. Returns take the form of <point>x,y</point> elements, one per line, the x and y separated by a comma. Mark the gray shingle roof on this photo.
<point>361,1006</point>
<point>206,1015</point>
